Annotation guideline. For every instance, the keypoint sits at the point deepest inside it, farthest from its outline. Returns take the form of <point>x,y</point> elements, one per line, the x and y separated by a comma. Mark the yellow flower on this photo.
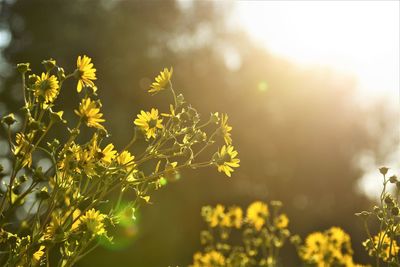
<point>92,220</point>
<point>22,149</point>
<point>209,259</point>
<point>86,73</point>
<point>226,160</point>
<point>388,247</point>
<point>107,154</point>
<point>161,81</point>
<point>216,216</point>
<point>149,122</point>
<point>282,221</point>
<point>225,129</point>
<point>90,113</point>
<point>257,213</point>
<point>39,254</point>
<point>47,87</point>
<point>233,218</point>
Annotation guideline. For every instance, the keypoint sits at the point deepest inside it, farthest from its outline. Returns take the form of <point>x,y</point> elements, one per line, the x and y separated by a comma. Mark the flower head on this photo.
<point>85,72</point>
<point>257,213</point>
<point>92,221</point>
<point>282,221</point>
<point>161,81</point>
<point>208,259</point>
<point>90,113</point>
<point>149,122</point>
<point>39,254</point>
<point>47,87</point>
<point>225,129</point>
<point>226,159</point>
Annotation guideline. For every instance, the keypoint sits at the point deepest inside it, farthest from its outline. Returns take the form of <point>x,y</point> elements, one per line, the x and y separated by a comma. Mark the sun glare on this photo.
<point>357,37</point>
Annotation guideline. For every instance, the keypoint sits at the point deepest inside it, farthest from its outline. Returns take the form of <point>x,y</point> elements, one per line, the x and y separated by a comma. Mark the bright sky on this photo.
<point>359,37</point>
<point>356,37</point>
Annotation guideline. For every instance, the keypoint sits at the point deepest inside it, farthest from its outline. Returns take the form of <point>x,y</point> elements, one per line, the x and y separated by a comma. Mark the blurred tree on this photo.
<point>298,132</point>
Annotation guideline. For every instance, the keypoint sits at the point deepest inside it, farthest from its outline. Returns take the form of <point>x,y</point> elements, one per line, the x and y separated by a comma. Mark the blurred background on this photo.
<point>311,89</point>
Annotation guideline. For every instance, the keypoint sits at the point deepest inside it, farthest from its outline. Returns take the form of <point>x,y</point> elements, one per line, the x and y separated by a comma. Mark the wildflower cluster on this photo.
<point>59,212</point>
<point>263,230</point>
<point>329,248</point>
<point>384,246</point>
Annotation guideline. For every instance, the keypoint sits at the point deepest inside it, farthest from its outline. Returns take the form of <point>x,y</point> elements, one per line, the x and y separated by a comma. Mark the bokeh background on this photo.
<point>311,89</point>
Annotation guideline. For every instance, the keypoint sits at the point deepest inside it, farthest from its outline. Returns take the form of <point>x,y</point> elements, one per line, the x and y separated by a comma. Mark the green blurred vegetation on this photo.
<point>298,132</point>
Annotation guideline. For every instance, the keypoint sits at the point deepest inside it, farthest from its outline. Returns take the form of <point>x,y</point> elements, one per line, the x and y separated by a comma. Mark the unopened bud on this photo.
<point>49,64</point>
<point>383,170</point>
<point>393,179</point>
<point>9,119</point>
<point>23,67</point>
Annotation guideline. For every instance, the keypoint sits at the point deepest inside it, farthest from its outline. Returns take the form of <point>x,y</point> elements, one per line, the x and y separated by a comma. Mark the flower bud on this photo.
<point>383,170</point>
<point>32,79</point>
<point>180,100</point>
<point>395,211</point>
<point>9,119</point>
<point>214,118</point>
<point>42,194</point>
<point>49,64</point>
<point>23,67</point>
<point>23,178</point>
<point>56,117</point>
<point>393,179</point>
<point>363,214</point>
<point>389,200</point>
<point>61,74</point>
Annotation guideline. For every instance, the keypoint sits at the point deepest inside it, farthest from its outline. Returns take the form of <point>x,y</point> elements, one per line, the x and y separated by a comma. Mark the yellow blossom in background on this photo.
<point>330,248</point>
<point>161,81</point>
<point>282,221</point>
<point>92,220</point>
<point>209,259</point>
<point>257,213</point>
<point>86,73</point>
<point>149,122</point>
<point>216,215</point>
<point>47,87</point>
<point>233,218</point>
<point>90,113</point>
<point>226,160</point>
<point>225,128</point>
<point>39,253</point>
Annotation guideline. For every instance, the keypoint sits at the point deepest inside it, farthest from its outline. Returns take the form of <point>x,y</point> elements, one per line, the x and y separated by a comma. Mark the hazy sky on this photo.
<point>359,37</point>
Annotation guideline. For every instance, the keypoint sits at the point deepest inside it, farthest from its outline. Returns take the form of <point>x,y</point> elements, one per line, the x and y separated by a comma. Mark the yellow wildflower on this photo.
<point>282,221</point>
<point>47,87</point>
<point>216,216</point>
<point>107,154</point>
<point>90,113</point>
<point>22,149</point>
<point>149,122</point>
<point>209,259</point>
<point>257,213</point>
<point>225,129</point>
<point>86,73</point>
<point>161,81</point>
<point>387,247</point>
<point>226,160</point>
<point>92,220</point>
<point>39,254</point>
<point>233,218</point>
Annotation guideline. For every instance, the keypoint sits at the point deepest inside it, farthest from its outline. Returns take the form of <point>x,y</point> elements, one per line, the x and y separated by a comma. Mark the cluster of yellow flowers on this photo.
<point>62,210</point>
<point>263,235</point>
<point>329,248</point>
<point>384,245</point>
